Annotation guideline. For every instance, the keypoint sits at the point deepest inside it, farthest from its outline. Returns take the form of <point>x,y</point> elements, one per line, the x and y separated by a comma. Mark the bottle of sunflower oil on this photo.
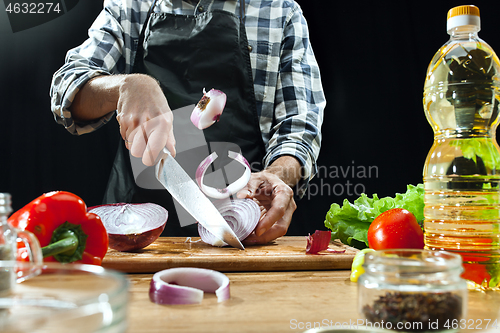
<point>462,170</point>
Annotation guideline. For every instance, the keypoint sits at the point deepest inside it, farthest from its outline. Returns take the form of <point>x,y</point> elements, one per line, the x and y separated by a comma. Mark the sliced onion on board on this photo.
<point>131,226</point>
<point>233,187</point>
<point>242,215</point>
<point>318,241</point>
<point>208,109</point>
<point>186,285</point>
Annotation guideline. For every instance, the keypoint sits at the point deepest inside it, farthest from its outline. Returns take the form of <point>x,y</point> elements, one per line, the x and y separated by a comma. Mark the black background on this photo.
<point>373,57</point>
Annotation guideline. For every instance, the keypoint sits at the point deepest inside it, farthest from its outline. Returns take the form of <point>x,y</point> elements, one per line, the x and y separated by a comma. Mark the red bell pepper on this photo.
<point>64,228</point>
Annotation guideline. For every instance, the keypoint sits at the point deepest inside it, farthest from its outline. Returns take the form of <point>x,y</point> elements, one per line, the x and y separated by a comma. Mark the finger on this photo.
<point>282,197</point>
<point>123,130</point>
<point>244,193</point>
<point>156,143</point>
<point>171,143</point>
<point>136,142</point>
<point>249,190</point>
<point>127,126</point>
<point>253,185</point>
<point>279,229</point>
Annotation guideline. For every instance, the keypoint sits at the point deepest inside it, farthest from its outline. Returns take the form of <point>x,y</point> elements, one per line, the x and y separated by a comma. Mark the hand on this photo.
<point>277,204</point>
<point>145,118</point>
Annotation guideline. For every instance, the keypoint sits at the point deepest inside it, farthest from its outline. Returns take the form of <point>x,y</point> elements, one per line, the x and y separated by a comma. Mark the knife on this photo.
<point>183,189</point>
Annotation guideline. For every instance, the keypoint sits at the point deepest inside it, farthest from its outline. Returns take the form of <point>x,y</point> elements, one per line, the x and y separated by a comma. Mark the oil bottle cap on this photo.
<point>463,15</point>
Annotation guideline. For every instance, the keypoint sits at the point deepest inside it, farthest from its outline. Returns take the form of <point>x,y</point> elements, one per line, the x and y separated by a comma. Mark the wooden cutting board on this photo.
<point>284,254</point>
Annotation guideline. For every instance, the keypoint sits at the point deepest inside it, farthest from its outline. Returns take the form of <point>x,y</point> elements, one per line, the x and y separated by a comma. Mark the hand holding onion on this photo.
<point>275,197</point>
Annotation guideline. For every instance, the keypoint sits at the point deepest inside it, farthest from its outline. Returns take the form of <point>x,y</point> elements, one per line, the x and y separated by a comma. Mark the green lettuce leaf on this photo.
<point>350,222</point>
<point>484,148</point>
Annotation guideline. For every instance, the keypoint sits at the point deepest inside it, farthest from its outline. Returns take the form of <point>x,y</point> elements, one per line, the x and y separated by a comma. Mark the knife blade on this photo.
<point>183,189</point>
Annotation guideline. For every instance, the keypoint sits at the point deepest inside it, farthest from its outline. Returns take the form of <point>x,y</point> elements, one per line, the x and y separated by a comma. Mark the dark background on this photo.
<point>373,57</point>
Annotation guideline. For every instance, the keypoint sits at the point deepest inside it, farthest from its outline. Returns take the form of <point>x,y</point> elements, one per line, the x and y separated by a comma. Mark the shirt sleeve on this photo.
<point>300,102</point>
<point>108,50</point>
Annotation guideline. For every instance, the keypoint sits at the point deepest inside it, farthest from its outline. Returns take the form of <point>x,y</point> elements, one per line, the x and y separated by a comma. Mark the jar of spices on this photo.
<point>412,290</point>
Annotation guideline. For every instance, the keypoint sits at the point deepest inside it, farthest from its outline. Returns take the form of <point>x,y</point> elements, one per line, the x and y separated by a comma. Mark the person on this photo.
<point>144,59</point>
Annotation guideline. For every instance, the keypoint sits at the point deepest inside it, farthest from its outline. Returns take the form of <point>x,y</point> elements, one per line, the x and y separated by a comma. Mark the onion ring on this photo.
<point>186,285</point>
<point>233,187</point>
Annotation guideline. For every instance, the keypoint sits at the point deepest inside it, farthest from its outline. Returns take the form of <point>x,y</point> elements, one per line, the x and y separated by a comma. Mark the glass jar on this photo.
<point>412,290</point>
<point>9,237</point>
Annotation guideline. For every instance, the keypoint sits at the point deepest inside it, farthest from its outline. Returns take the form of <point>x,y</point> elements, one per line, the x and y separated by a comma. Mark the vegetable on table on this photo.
<point>319,242</point>
<point>395,228</point>
<point>64,228</point>
<point>242,216</point>
<point>476,273</point>
<point>131,227</point>
<point>357,264</point>
<point>185,285</point>
<point>350,222</point>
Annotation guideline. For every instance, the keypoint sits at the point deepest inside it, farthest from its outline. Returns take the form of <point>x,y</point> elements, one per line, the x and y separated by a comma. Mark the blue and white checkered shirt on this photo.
<point>287,83</point>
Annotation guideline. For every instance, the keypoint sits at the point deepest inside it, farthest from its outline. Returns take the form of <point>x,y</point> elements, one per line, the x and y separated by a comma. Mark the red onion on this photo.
<point>242,215</point>
<point>233,187</point>
<point>131,226</point>
<point>318,241</point>
<point>185,285</point>
<point>208,109</point>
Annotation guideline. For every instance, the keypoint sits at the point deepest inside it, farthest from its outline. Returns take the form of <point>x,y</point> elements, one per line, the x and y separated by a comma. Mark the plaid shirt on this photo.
<point>287,83</point>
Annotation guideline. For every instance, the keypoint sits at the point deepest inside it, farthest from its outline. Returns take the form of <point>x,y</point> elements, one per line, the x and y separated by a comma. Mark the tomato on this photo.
<point>477,273</point>
<point>395,229</point>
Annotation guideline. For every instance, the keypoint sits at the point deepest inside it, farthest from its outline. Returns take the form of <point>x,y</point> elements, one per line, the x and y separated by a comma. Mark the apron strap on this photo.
<point>242,10</point>
<point>140,52</point>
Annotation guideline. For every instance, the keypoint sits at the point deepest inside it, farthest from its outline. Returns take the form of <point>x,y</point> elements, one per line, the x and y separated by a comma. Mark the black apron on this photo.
<point>187,53</point>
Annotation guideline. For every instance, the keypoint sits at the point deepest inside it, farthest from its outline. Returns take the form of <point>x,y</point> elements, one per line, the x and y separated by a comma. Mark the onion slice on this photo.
<point>242,216</point>
<point>318,241</point>
<point>233,187</point>
<point>131,226</point>
<point>208,109</point>
<point>186,285</point>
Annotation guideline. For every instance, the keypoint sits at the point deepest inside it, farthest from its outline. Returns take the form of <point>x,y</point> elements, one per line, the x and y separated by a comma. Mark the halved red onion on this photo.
<point>233,187</point>
<point>131,226</point>
<point>242,215</point>
<point>186,285</point>
<point>318,241</point>
<point>208,109</point>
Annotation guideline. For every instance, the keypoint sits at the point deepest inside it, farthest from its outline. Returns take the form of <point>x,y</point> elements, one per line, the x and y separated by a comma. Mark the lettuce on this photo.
<point>350,222</point>
<point>482,148</point>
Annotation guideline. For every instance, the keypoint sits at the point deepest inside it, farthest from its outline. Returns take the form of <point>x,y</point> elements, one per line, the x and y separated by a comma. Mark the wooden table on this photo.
<point>275,301</point>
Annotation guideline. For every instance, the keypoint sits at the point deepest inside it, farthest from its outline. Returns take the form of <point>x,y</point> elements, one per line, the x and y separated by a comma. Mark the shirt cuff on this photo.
<point>301,153</point>
<point>63,97</point>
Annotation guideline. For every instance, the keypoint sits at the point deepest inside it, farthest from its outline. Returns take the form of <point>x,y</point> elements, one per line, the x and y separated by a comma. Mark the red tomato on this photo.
<point>477,273</point>
<point>395,229</point>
